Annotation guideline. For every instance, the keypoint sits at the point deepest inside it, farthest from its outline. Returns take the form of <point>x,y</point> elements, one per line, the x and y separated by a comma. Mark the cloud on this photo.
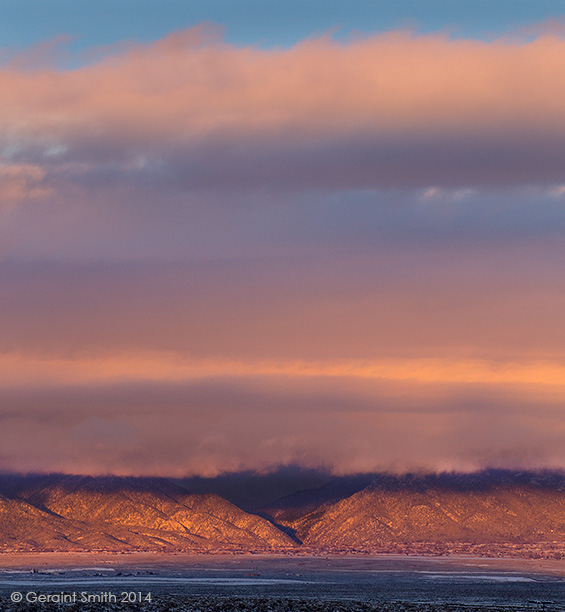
<point>256,422</point>
<point>396,109</point>
<point>53,371</point>
<point>342,254</point>
<point>20,182</point>
<point>481,304</point>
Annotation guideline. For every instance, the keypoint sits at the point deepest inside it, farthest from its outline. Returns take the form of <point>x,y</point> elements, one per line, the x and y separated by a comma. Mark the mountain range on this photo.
<point>112,513</point>
<point>492,512</point>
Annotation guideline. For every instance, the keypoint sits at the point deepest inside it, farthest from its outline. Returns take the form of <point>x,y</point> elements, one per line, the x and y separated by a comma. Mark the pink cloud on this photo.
<point>20,182</point>
<point>397,105</point>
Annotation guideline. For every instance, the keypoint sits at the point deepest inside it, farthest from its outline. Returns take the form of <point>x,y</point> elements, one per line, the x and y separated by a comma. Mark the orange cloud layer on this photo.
<point>21,370</point>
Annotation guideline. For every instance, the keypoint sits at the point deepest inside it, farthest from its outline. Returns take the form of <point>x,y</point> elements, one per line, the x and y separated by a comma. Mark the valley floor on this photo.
<point>239,604</point>
<point>269,583</point>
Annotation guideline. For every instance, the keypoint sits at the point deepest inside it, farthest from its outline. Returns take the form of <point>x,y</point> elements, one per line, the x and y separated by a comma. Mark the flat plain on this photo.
<point>147,581</point>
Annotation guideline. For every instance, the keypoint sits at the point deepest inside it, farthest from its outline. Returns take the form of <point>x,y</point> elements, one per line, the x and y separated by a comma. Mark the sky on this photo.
<point>239,236</point>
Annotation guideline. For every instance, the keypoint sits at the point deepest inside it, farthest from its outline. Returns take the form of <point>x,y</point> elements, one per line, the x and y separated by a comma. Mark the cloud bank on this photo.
<point>342,254</point>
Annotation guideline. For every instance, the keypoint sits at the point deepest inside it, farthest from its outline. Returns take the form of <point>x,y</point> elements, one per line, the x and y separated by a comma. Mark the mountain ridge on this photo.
<point>122,513</point>
<point>369,513</point>
<point>441,512</point>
